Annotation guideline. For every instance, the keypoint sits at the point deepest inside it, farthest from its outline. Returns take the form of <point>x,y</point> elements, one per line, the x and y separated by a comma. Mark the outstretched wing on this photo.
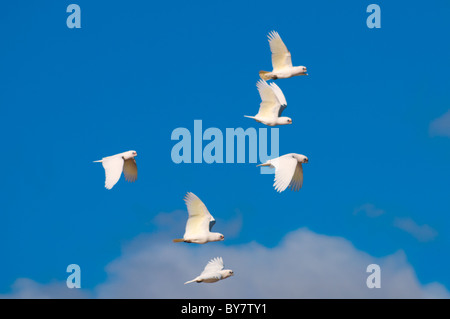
<point>200,220</point>
<point>270,105</point>
<point>211,224</point>
<point>281,57</point>
<point>297,179</point>
<point>130,170</point>
<point>214,265</point>
<point>280,97</point>
<point>113,169</point>
<point>285,167</point>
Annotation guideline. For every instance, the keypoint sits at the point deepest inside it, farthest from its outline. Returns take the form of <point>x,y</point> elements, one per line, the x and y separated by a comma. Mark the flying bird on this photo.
<point>115,164</point>
<point>272,105</point>
<point>199,223</point>
<point>288,171</point>
<point>213,272</point>
<point>281,61</point>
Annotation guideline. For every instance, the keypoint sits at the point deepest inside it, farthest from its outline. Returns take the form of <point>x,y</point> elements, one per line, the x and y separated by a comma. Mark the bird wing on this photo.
<point>212,223</point>
<point>200,220</point>
<point>130,170</point>
<point>214,265</point>
<point>281,57</point>
<point>113,169</point>
<point>297,179</point>
<point>280,97</point>
<point>285,167</point>
<point>270,105</point>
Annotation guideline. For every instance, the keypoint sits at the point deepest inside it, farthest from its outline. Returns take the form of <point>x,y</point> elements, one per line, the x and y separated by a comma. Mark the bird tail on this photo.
<point>265,75</point>
<point>265,164</point>
<point>188,282</point>
<point>250,117</point>
<point>178,240</point>
<point>98,161</point>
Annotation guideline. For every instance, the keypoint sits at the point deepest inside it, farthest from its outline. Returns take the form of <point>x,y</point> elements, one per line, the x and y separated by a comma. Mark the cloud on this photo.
<point>24,288</point>
<point>304,265</point>
<point>422,233</point>
<point>441,126</point>
<point>369,210</point>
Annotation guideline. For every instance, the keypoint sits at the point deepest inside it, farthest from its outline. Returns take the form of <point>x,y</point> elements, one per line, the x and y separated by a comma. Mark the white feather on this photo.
<point>213,266</point>
<point>281,57</point>
<point>113,170</point>
<point>213,272</point>
<point>272,104</point>
<point>114,166</point>
<point>288,171</point>
<point>199,223</point>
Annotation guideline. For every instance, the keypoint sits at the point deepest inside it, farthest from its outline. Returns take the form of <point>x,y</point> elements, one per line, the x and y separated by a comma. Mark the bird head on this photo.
<point>300,158</point>
<point>227,273</point>
<point>218,237</point>
<point>284,120</point>
<point>130,154</point>
<point>301,70</point>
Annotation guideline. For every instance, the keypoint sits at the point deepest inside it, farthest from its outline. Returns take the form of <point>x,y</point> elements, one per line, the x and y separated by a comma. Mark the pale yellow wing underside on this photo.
<point>199,217</point>
<point>281,57</point>
<point>130,170</point>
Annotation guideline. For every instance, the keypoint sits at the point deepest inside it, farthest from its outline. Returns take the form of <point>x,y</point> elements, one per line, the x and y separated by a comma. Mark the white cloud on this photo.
<point>303,265</point>
<point>24,288</point>
<point>369,210</point>
<point>441,125</point>
<point>422,233</point>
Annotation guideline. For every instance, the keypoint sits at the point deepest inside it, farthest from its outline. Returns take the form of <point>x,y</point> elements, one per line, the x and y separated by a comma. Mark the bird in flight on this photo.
<point>213,272</point>
<point>281,61</point>
<point>288,171</point>
<point>199,223</point>
<point>272,105</point>
<point>115,164</point>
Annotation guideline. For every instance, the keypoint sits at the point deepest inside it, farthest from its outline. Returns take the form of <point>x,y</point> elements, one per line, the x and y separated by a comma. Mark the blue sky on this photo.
<point>378,167</point>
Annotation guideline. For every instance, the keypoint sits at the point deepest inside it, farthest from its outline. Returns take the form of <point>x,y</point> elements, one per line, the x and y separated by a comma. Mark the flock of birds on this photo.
<point>288,168</point>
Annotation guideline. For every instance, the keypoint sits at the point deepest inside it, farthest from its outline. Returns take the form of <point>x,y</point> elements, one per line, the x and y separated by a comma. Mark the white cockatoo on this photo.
<point>272,105</point>
<point>213,272</point>
<point>288,171</point>
<point>281,61</point>
<point>115,164</point>
<point>199,223</point>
